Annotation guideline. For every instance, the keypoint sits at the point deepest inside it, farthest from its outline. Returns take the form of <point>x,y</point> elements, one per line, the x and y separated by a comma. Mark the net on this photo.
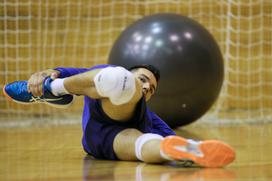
<point>37,35</point>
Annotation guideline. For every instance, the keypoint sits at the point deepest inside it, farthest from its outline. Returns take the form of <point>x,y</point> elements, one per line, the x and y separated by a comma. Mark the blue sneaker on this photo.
<point>17,92</point>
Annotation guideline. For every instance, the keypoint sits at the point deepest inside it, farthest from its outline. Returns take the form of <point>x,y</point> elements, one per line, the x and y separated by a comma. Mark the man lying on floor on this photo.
<point>117,124</point>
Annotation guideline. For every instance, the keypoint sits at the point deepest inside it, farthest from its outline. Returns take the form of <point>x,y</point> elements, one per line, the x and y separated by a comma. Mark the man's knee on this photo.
<point>124,144</point>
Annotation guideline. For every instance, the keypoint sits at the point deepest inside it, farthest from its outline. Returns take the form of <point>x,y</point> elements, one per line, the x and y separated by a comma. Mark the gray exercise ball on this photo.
<point>188,58</point>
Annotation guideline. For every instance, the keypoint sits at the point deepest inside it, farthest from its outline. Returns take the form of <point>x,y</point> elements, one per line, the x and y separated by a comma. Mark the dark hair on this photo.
<point>151,68</point>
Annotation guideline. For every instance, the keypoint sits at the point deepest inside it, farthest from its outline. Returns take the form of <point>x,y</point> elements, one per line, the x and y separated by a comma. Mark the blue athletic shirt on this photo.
<point>99,130</point>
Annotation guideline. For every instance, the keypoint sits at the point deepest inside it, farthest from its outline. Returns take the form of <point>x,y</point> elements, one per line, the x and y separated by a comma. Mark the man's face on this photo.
<point>147,80</point>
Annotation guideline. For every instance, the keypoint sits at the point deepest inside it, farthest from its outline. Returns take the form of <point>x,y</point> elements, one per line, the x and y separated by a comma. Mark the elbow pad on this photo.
<point>116,83</point>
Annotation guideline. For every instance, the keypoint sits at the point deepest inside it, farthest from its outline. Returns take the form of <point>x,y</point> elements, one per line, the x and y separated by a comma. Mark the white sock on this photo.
<point>57,87</point>
<point>141,140</point>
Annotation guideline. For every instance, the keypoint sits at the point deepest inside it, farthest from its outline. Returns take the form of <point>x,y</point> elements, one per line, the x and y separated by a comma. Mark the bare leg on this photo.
<point>124,147</point>
<point>208,153</point>
<point>82,84</point>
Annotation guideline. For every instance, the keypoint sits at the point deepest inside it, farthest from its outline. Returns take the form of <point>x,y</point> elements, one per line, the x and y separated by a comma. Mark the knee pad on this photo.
<point>116,83</point>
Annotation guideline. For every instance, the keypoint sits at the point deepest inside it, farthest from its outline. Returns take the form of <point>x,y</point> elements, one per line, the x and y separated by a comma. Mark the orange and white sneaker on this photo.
<point>210,153</point>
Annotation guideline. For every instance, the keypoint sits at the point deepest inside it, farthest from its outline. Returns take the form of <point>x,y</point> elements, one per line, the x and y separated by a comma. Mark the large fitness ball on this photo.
<point>188,57</point>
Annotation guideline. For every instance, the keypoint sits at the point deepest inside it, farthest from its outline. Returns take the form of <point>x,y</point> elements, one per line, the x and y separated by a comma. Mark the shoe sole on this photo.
<point>28,103</point>
<point>211,153</point>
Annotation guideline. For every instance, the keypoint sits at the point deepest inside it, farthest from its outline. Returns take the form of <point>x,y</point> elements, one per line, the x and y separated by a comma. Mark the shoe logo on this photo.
<point>39,99</point>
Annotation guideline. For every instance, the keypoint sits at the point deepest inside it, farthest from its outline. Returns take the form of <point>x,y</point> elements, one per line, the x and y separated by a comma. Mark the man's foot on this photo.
<point>18,92</point>
<point>210,153</point>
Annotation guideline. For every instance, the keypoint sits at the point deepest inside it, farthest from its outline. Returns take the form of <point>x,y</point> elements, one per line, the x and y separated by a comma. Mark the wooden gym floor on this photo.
<point>54,153</point>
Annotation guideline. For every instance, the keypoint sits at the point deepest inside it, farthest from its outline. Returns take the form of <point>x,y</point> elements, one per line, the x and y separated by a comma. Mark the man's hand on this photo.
<point>35,81</point>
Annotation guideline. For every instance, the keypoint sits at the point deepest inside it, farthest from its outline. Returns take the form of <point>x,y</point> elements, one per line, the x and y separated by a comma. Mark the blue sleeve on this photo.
<point>69,71</point>
<point>160,127</point>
